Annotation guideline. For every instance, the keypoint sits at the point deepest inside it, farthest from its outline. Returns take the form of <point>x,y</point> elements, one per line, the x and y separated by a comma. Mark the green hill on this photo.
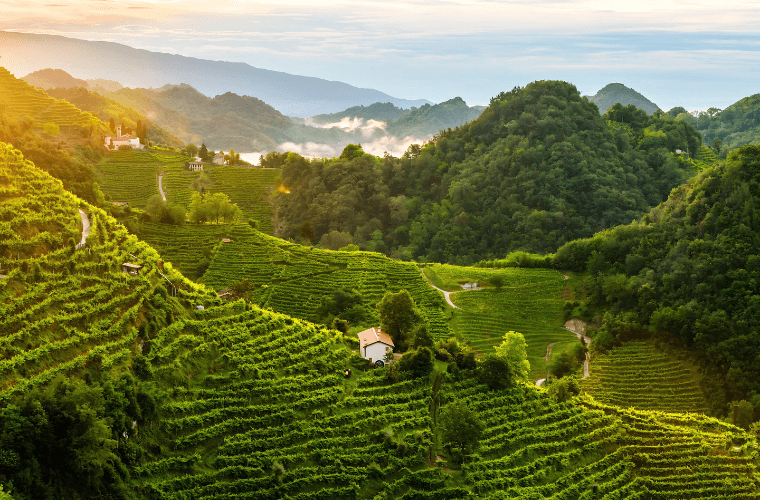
<point>539,167</point>
<point>735,126</point>
<point>687,271</point>
<point>380,111</point>
<point>614,93</point>
<point>107,109</point>
<point>430,119</point>
<point>143,394</point>
<point>292,279</point>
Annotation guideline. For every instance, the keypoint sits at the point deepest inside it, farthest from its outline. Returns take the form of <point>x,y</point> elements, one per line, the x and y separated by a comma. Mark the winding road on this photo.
<point>85,228</point>
<point>578,327</point>
<point>161,187</point>
<point>446,294</point>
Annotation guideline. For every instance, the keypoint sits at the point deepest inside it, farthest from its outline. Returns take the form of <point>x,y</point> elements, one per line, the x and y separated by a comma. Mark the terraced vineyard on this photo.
<point>249,188</point>
<point>185,246</point>
<point>292,279</point>
<point>19,99</point>
<point>275,394</point>
<point>132,176</point>
<point>529,302</point>
<point>641,376</point>
<point>60,308</point>
<point>536,448</point>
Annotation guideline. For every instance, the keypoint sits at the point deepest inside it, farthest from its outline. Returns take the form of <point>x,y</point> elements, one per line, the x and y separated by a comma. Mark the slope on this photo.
<point>735,126</point>
<point>238,402</point>
<point>49,78</point>
<point>429,120</point>
<point>293,279</point>
<point>687,270</point>
<point>107,109</point>
<point>618,93</point>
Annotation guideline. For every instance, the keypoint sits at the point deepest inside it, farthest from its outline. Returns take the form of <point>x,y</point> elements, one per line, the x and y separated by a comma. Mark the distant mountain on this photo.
<point>54,79</point>
<point>381,111</point>
<point>428,120</point>
<point>292,95</point>
<point>99,84</point>
<point>617,92</point>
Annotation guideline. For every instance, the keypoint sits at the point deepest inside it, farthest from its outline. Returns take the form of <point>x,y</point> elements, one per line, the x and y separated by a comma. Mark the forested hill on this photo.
<point>690,271</point>
<point>735,126</point>
<point>540,167</point>
<point>381,111</point>
<point>429,119</point>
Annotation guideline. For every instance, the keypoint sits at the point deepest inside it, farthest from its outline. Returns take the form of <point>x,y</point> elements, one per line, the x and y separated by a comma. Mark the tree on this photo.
<point>306,231</point>
<point>203,153</point>
<point>421,336</point>
<point>564,389</point>
<point>52,129</point>
<point>717,144</point>
<point>398,317</point>
<point>496,372</point>
<point>198,209</point>
<point>497,281</point>
<point>419,362</point>
<point>461,429</point>
<point>514,350</point>
<point>112,124</point>
<point>192,150</point>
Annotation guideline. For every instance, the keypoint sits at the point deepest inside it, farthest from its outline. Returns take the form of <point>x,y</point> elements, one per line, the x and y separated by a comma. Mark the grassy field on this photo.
<point>292,279</point>
<point>530,302</point>
<point>642,376</point>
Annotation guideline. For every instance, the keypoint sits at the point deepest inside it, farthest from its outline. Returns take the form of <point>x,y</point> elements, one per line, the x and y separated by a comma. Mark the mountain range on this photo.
<point>290,94</point>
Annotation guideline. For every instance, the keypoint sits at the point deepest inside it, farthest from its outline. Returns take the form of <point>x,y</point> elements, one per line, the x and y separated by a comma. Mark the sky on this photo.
<point>696,53</point>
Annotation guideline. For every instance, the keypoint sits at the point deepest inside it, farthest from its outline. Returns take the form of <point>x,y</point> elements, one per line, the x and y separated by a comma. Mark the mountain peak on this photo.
<point>613,93</point>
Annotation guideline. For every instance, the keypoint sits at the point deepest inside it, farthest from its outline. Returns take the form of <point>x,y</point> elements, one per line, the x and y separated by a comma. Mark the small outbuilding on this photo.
<point>131,269</point>
<point>195,165</point>
<point>218,159</point>
<point>226,240</point>
<point>374,344</point>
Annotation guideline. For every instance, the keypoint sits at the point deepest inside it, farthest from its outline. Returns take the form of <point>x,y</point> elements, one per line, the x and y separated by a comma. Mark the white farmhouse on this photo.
<point>374,345</point>
<point>219,158</point>
<point>195,165</point>
<point>122,140</point>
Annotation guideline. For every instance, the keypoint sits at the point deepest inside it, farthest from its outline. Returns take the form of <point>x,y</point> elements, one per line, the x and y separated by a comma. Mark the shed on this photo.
<point>120,203</point>
<point>195,165</point>
<point>226,240</point>
<point>130,268</point>
<point>224,293</point>
<point>374,344</point>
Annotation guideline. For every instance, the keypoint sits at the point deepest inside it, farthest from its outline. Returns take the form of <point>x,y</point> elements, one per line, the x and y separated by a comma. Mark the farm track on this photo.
<point>160,187</point>
<point>446,295</point>
<point>578,327</point>
<point>85,228</point>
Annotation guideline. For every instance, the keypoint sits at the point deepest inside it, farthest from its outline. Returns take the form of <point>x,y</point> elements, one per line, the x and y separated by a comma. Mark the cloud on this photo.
<point>348,124</point>
<point>386,144</point>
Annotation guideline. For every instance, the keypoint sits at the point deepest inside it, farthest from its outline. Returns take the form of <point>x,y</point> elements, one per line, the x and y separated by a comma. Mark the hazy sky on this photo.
<point>694,54</point>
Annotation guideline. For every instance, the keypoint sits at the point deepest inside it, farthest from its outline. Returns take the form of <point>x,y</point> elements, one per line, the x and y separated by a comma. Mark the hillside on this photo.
<point>735,126</point>
<point>614,93</point>
<point>380,111</point>
<point>429,120</point>
<point>148,396</point>
<point>59,137</point>
<point>49,78</point>
<point>136,68</point>
<point>107,109</point>
<point>686,271</point>
<point>539,167</point>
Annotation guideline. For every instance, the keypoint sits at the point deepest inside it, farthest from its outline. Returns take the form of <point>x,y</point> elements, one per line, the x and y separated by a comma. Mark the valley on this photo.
<point>192,334</point>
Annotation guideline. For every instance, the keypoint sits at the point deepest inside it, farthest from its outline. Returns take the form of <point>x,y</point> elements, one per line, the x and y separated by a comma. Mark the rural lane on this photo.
<point>160,187</point>
<point>85,228</point>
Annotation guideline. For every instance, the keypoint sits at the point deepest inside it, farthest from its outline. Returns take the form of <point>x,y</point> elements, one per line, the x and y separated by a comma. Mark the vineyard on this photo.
<point>534,447</point>
<point>292,279</point>
<point>255,404</point>
<point>18,99</point>
<point>641,376</point>
<point>529,301</point>
<point>132,176</point>
<point>185,246</point>
<point>62,309</point>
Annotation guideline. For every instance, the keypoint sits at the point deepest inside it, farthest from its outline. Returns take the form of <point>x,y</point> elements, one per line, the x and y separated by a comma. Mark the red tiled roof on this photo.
<point>372,336</point>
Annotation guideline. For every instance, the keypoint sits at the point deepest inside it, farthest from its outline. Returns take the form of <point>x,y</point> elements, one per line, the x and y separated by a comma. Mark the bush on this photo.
<point>418,362</point>
<point>564,389</point>
<point>496,372</point>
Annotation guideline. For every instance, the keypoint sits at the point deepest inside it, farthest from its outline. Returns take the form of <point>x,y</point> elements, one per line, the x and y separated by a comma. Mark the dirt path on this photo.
<point>549,351</point>
<point>85,228</point>
<point>446,295</point>
<point>160,187</point>
<point>578,327</point>
<point>540,382</point>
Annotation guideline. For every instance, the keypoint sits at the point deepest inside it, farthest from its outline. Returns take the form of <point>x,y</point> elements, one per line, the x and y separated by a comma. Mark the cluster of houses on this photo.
<point>131,141</point>
<point>197,164</point>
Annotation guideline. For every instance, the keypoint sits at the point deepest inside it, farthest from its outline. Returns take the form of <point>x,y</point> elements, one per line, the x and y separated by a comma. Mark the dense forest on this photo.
<point>727,129</point>
<point>540,167</point>
<point>689,271</point>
